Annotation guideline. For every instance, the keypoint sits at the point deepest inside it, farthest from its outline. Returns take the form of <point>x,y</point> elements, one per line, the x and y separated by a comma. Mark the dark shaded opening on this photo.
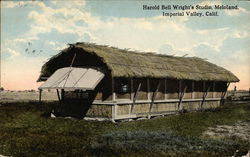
<point>172,86</point>
<point>75,103</point>
<point>209,85</point>
<point>220,86</point>
<point>188,85</point>
<point>198,86</point>
<point>172,89</point>
<point>106,88</point>
<point>161,90</point>
<point>142,93</point>
<point>122,87</point>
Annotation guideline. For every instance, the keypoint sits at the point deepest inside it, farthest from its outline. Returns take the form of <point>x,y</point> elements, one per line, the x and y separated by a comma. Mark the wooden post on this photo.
<point>131,89</point>
<point>113,89</point>
<point>148,88</point>
<point>165,89</point>
<point>113,108</point>
<point>203,91</point>
<point>131,94</point>
<point>192,94</point>
<point>135,97</point>
<point>182,93</point>
<point>40,96</point>
<point>58,95</point>
<point>214,90</point>
<point>62,94</point>
<point>154,96</point>
<point>180,86</point>
<point>223,95</point>
<point>204,96</point>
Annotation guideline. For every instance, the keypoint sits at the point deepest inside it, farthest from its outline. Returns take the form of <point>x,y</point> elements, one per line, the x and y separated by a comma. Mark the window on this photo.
<point>122,88</point>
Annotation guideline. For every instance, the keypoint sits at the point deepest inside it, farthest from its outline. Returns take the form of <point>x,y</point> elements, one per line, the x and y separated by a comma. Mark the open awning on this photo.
<point>73,78</point>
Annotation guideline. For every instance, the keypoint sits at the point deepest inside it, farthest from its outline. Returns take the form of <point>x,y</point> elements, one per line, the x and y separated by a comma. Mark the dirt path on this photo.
<point>239,130</point>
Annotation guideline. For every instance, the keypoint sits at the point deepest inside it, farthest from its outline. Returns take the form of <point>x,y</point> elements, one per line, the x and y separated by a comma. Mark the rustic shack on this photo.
<point>111,83</point>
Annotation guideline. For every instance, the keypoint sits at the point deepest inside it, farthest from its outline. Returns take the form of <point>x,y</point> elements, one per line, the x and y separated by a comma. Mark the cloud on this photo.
<point>25,40</point>
<point>60,48</point>
<point>72,3</point>
<point>87,37</point>
<point>236,12</point>
<point>62,19</point>
<point>136,33</point>
<point>11,52</point>
<point>13,4</point>
<point>52,43</point>
<point>206,50</point>
<point>53,26</point>
<point>166,49</point>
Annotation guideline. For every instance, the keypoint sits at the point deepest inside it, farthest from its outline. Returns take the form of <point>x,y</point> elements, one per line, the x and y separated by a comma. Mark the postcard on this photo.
<point>124,78</point>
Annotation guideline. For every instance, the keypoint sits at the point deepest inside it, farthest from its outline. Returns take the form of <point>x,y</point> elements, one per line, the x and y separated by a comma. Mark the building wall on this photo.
<point>168,89</point>
<point>124,111</point>
<point>100,111</point>
<point>167,100</point>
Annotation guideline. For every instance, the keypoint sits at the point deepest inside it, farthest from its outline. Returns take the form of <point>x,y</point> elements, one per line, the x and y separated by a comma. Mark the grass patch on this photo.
<point>159,142</point>
<point>193,124</point>
<point>25,132</point>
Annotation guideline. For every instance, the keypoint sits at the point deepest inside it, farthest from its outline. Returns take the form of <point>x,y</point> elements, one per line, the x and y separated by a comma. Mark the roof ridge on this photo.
<point>227,72</point>
<point>127,50</point>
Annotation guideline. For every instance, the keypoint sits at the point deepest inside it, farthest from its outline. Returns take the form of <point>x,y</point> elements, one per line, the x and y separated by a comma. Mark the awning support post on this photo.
<point>58,95</point>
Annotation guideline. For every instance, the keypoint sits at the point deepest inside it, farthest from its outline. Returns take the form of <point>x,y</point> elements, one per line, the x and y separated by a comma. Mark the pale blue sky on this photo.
<point>33,31</point>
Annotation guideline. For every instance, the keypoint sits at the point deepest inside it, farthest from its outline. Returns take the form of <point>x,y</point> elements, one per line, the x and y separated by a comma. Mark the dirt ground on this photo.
<point>26,96</point>
<point>239,130</point>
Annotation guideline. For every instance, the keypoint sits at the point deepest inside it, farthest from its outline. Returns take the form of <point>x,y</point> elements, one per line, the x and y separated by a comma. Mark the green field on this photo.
<point>26,131</point>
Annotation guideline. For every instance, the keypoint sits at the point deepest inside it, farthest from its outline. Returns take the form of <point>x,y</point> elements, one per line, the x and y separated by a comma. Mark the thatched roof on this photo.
<point>124,63</point>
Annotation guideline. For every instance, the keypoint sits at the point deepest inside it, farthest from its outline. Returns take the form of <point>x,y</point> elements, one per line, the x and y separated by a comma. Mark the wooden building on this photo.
<point>134,84</point>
